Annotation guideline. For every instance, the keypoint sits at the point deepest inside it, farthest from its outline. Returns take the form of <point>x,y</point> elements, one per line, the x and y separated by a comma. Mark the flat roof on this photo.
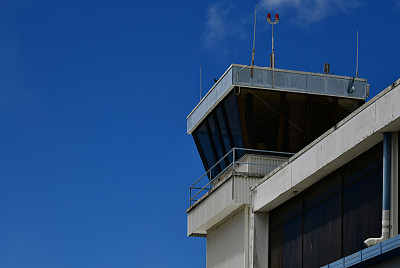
<point>277,79</point>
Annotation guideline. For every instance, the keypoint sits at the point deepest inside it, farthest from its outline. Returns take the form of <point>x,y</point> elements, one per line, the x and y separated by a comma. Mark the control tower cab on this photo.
<point>245,127</point>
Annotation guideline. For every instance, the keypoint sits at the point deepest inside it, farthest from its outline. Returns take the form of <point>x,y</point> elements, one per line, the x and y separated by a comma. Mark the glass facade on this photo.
<point>267,120</point>
<point>332,218</point>
<point>218,134</point>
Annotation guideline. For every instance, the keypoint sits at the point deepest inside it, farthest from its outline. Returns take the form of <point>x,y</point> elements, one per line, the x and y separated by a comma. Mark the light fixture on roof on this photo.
<point>272,56</point>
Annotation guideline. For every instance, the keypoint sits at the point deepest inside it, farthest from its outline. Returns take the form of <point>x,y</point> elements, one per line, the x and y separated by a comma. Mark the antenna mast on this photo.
<point>357,57</point>
<point>254,41</point>
<point>272,56</point>
<point>200,82</point>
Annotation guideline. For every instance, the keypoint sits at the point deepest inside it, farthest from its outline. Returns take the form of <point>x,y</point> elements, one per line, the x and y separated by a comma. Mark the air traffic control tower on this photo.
<point>245,127</point>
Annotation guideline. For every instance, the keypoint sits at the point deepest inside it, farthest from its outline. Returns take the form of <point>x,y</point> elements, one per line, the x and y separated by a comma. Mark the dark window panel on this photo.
<point>202,156</point>
<point>218,143</point>
<point>217,168</point>
<point>363,164</point>
<point>224,132</point>
<point>362,211</point>
<point>306,136</point>
<point>282,112</point>
<point>244,113</point>
<point>346,107</point>
<point>324,189</point>
<point>335,111</point>
<point>338,213</point>
<point>321,116</point>
<point>322,233</point>
<point>205,144</point>
<point>262,118</point>
<point>232,113</point>
<point>292,243</point>
<point>293,130</point>
<point>275,245</point>
<point>286,211</point>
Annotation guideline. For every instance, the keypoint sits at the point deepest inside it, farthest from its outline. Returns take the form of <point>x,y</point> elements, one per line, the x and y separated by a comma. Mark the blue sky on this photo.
<point>95,162</point>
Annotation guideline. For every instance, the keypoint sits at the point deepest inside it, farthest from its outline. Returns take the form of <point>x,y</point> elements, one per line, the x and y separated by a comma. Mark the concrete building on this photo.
<point>300,172</point>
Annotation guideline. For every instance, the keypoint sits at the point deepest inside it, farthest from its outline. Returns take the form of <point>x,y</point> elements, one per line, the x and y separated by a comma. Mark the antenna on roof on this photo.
<point>200,82</point>
<point>273,23</point>
<point>254,40</point>
<point>357,57</point>
<point>272,56</point>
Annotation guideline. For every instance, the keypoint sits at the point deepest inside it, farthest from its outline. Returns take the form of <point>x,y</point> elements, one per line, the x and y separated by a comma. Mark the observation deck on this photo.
<point>246,126</point>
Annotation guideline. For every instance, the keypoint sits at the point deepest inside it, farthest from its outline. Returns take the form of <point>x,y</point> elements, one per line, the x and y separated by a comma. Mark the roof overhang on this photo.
<point>354,135</point>
<point>277,79</point>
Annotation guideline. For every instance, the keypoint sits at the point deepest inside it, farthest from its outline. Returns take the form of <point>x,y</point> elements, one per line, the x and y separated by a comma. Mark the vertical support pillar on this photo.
<point>259,239</point>
<point>246,236</point>
<point>394,201</point>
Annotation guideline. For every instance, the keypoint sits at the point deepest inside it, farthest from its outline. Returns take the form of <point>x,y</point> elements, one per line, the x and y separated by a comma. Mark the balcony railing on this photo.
<point>237,159</point>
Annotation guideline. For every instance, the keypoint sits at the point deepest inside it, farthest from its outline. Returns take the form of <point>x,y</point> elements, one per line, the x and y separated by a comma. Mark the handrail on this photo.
<point>209,173</point>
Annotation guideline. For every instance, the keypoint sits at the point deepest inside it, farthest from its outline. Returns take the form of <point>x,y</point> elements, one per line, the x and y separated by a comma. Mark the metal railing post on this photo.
<point>210,185</point>
<point>233,159</point>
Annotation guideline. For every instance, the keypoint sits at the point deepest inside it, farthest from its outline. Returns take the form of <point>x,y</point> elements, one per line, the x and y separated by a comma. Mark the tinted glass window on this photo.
<point>224,131</point>
<point>205,144</point>
<point>262,118</point>
<point>346,107</point>
<point>321,116</point>
<point>219,146</point>
<point>362,204</point>
<point>295,117</point>
<point>322,233</point>
<point>292,243</point>
<point>332,218</point>
<point>233,121</point>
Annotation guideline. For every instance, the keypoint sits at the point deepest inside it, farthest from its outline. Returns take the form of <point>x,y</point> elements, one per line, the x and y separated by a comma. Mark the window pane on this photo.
<point>286,211</point>
<point>215,136</point>
<point>322,233</point>
<point>338,213</point>
<point>293,131</point>
<point>362,211</point>
<point>262,118</point>
<point>292,243</point>
<point>321,116</point>
<point>275,245</point>
<point>325,188</point>
<point>204,140</point>
<point>224,132</point>
<point>233,120</point>
<point>346,107</point>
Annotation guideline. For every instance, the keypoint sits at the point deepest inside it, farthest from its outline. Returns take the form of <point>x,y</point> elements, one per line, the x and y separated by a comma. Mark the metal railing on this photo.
<point>234,157</point>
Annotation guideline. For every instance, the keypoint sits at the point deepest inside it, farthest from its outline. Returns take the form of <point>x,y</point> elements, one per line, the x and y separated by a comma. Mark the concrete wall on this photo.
<point>227,244</point>
<point>213,205</point>
<point>219,204</point>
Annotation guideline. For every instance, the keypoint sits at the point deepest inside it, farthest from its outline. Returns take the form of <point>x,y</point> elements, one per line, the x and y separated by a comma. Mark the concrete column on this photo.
<point>259,240</point>
<point>394,202</point>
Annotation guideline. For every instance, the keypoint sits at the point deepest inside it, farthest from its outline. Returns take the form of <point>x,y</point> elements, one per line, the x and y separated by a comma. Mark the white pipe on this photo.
<point>385,230</point>
<point>386,192</point>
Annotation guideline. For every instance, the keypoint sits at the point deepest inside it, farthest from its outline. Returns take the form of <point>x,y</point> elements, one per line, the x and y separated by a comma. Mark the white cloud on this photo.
<point>310,11</point>
<point>220,24</point>
<point>225,20</point>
